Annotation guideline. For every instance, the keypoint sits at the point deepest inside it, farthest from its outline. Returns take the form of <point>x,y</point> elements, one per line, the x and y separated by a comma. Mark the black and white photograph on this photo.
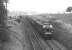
<point>35,24</point>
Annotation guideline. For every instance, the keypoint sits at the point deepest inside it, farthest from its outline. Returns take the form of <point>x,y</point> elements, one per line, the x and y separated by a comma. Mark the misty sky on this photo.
<point>41,6</point>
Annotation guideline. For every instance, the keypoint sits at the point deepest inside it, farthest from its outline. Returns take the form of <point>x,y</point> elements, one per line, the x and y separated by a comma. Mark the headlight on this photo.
<point>51,26</point>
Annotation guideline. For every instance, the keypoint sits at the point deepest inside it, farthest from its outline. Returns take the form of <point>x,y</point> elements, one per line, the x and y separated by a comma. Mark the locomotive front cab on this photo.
<point>47,31</point>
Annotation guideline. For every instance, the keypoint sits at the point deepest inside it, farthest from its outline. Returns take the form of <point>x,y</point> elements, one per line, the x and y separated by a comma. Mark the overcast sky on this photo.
<point>41,6</point>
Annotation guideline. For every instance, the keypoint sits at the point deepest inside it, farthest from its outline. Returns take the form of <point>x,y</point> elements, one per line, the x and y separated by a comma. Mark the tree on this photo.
<point>3,30</point>
<point>69,9</point>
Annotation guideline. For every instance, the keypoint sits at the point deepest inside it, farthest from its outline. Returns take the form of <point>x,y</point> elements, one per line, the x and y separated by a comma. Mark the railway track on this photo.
<point>25,32</point>
<point>38,39</point>
<point>37,45</point>
<point>35,42</point>
<point>55,45</point>
<point>52,44</point>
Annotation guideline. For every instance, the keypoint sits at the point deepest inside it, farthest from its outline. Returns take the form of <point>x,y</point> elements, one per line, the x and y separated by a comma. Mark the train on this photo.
<point>47,31</point>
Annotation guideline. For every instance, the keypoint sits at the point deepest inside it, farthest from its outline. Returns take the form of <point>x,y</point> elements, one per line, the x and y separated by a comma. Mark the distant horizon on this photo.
<point>40,6</point>
<point>38,12</point>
